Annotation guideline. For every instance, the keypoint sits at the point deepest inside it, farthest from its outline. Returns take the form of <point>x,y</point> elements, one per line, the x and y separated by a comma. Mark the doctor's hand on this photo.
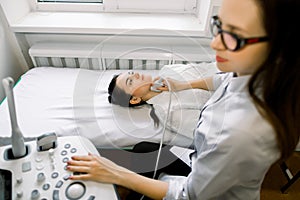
<point>174,85</point>
<point>95,168</point>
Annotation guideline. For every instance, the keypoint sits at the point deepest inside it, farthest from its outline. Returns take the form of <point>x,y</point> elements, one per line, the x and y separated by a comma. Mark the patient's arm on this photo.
<point>205,84</point>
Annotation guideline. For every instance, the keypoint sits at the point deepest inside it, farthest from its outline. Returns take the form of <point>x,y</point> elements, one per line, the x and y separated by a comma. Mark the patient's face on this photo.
<point>134,83</point>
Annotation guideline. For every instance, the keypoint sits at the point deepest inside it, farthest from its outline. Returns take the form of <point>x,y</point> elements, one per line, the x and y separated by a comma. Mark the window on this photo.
<point>153,5</point>
<point>67,5</point>
<point>70,1</point>
<point>143,6</point>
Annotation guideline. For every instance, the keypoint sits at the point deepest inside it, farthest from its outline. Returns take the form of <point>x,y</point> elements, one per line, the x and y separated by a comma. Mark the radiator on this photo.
<point>114,56</point>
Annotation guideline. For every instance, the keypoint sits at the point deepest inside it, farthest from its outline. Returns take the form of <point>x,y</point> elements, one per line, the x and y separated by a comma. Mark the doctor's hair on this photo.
<point>275,86</point>
<point>119,97</point>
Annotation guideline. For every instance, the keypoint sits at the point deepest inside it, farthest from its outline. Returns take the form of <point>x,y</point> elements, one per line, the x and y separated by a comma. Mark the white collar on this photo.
<point>238,84</point>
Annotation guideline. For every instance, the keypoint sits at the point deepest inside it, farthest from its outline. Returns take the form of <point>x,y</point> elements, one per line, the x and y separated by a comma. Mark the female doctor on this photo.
<point>250,122</point>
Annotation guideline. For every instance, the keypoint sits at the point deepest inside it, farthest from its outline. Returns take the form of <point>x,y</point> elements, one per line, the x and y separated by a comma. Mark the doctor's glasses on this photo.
<point>231,41</point>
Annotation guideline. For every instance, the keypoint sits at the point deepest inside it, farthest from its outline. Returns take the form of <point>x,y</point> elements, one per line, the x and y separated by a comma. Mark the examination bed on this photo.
<point>72,101</point>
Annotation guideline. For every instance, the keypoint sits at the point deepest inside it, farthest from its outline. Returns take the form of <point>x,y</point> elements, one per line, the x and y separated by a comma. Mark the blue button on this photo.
<point>46,186</point>
<point>55,195</point>
<point>59,184</point>
<point>54,175</point>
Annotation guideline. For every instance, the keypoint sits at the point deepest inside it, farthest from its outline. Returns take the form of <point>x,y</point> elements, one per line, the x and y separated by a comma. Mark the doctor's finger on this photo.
<point>83,158</point>
<point>81,169</point>
<point>164,88</point>
<point>78,163</point>
<point>81,177</point>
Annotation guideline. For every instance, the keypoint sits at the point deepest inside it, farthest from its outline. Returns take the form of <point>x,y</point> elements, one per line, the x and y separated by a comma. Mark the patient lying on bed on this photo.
<point>132,89</point>
<point>76,104</point>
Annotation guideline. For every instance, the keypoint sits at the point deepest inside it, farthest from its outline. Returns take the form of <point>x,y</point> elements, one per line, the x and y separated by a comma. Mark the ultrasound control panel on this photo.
<point>41,173</point>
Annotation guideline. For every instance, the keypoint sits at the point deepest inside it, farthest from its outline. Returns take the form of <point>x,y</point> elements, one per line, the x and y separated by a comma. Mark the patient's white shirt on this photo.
<point>235,146</point>
<point>185,105</point>
<point>184,109</point>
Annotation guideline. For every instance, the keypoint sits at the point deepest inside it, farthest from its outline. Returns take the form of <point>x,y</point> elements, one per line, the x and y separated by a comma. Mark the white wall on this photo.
<point>15,9</point>
<point>9,61</point>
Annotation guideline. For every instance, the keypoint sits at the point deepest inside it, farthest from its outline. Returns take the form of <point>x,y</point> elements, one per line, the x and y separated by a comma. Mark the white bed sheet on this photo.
<point>74,102</point>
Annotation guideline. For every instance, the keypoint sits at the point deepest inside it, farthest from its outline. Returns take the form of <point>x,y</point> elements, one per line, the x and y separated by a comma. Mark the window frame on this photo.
<point>135,6</point>
<point>66,7</point>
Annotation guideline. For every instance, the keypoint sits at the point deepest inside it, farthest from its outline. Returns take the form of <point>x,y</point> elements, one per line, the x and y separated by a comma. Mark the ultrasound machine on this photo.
<point>37,169</point>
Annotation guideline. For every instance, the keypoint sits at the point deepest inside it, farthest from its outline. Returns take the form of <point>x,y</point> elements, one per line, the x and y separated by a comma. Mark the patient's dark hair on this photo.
<point>120,97</point>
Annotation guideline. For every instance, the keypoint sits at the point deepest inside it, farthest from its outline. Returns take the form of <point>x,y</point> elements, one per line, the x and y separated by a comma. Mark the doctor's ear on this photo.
<point>135,100</point>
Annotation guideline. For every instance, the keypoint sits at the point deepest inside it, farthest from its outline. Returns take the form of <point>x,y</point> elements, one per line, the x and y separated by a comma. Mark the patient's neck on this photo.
<point>149,95</point>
